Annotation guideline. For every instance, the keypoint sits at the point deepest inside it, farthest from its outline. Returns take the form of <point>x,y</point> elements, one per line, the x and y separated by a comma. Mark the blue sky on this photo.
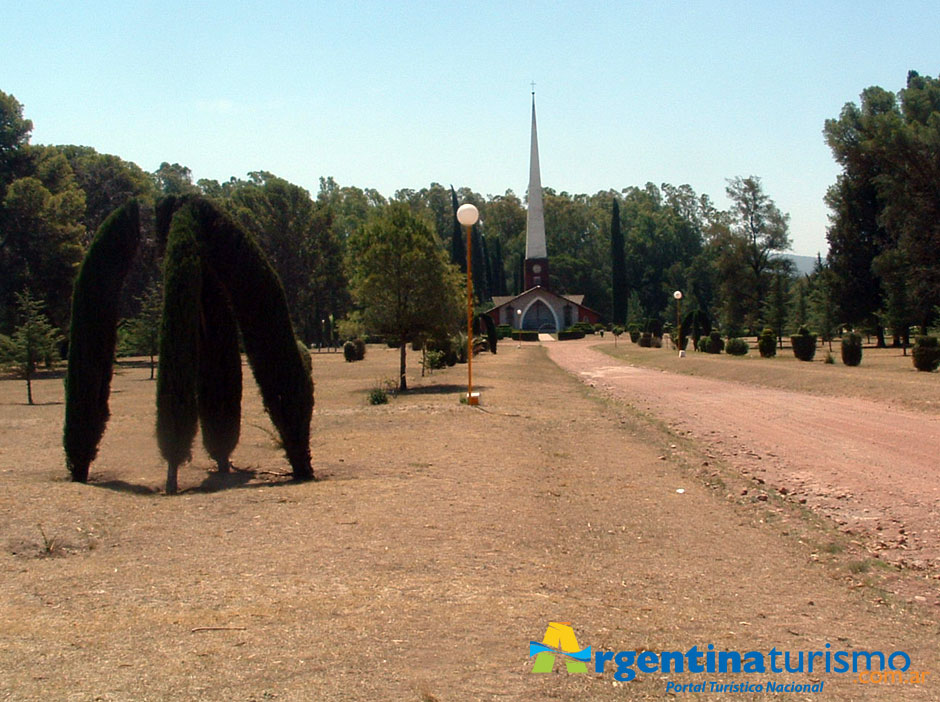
<point>399,95</point>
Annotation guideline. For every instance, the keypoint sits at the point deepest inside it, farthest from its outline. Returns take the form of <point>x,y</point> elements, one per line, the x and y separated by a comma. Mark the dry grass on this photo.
<point>440,540</point>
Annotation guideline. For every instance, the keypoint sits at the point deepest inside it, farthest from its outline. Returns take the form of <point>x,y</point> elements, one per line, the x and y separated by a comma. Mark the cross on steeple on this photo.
<point>533,87</point>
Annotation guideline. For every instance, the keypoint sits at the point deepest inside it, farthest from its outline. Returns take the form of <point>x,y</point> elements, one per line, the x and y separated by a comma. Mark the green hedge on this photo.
<point>570,334</point>
<point>804,344</point>
<point>519,335</point>
<point>852,349</point>
<point>767,343</point>
<point>926,354</point>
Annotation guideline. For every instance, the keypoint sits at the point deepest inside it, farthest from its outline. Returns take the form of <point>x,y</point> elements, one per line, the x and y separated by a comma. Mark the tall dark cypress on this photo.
<point>499,272</point>
<point>458,245</point>
<point>219,389</point>
<point>618,266</point>
<point>177,374</point>
<point>479,264</point>
<point>260,307</point>
<point>93,334</point>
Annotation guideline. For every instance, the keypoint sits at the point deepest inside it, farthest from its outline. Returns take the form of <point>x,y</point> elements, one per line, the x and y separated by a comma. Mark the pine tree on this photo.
<point>35,340</point>
<point>618,267</point>
<point>144,329</point>
<point>93,334</point>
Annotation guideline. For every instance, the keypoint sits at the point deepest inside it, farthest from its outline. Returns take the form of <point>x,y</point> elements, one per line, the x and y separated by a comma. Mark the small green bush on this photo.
<point>852,349</point>
<point>646,340</point>
<point>634,335</point>
<point>504,331</point>
<point>516,336</point>
<point>702,344</point>
<point>737,347</point>
<point>767,343</point>
<point>378,396</point>
<point>804,344</point>
<point>570,334</point>
<point>360,349</point>
<point>926,354</point>
<point>436,360</point>
<point>714,343</point>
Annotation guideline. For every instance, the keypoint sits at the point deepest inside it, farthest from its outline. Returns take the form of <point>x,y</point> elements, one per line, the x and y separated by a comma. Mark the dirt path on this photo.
<point>874,469</point>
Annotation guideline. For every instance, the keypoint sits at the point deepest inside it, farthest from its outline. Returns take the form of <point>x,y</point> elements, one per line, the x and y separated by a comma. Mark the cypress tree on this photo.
<point>458,247</point>
<point>219,390</point>
<point>479,264</point>
<point>499,272</point>
<point>93,334</point>
<point>618,262</point>
<point>177,412</point>
<point>260,307</point>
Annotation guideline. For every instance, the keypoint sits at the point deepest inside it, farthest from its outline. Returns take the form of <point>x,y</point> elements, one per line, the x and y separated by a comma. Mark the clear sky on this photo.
<point>398,95</point>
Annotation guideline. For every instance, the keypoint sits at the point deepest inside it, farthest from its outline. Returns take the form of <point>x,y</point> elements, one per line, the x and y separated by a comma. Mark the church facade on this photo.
<point>539,308</point>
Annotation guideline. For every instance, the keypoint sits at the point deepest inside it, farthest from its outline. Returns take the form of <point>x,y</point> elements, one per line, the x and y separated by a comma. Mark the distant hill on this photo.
<point>804,264</point>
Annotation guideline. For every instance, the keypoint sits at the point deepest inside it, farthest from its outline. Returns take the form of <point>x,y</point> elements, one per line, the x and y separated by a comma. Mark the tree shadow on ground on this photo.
<point>213,482</point>
<point>442,389</point>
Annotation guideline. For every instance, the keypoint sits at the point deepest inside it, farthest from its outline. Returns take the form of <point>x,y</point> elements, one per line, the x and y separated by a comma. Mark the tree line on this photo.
<point>625,250</point>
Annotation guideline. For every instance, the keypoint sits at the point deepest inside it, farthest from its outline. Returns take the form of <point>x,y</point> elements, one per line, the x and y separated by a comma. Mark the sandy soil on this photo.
<point>440,540</point>
<point>872,467</point>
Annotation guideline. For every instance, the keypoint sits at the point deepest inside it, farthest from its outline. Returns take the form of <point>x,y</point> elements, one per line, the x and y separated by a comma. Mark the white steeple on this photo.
<point>535,217</point>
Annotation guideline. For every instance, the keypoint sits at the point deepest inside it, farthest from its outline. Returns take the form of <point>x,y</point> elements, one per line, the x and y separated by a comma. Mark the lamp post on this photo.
<point>678,295</point>
<point>519,327</point>
<point>468,215</point>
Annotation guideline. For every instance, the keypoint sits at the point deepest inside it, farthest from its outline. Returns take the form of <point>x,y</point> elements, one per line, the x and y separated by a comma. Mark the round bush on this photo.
<point>852,349</point>
<point>360,349</point>
<point>767,343</point>
<point>926,354</point>
<point>436,360</point>
<point>634,335</point>
<point>737,347</point>
<point>804,344</point>
<point>714,343</point>
<point>349,352</point>
<point>646,340</point>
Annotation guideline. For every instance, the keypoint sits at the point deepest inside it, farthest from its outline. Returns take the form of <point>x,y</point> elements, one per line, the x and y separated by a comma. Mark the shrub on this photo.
<point>737,347</point>
<point>926,354</point>
<point>516,336</point>
<point>702,344</point>
<point>436,360</point>
<point>92,336</point>
<point>570,334</point>
<point>599,328</point>
<point>349,352</point>
<point>714,343</point>
<point>360,349</point>
<point>646,340</point>
<point>767,343</point>
<point>504,331</point>
<point>634,335</point>
<point>804,344</point>
<point>378,396</point>
<point>830,359</point>
<point>852,349</point>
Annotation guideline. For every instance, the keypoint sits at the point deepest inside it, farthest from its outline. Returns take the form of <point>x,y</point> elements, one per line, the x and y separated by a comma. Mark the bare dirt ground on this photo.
<point>870,466</point>
<point>439,541</point>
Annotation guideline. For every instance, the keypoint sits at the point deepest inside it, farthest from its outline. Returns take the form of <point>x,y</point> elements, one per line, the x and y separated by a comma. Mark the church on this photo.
<point>538,308</point>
